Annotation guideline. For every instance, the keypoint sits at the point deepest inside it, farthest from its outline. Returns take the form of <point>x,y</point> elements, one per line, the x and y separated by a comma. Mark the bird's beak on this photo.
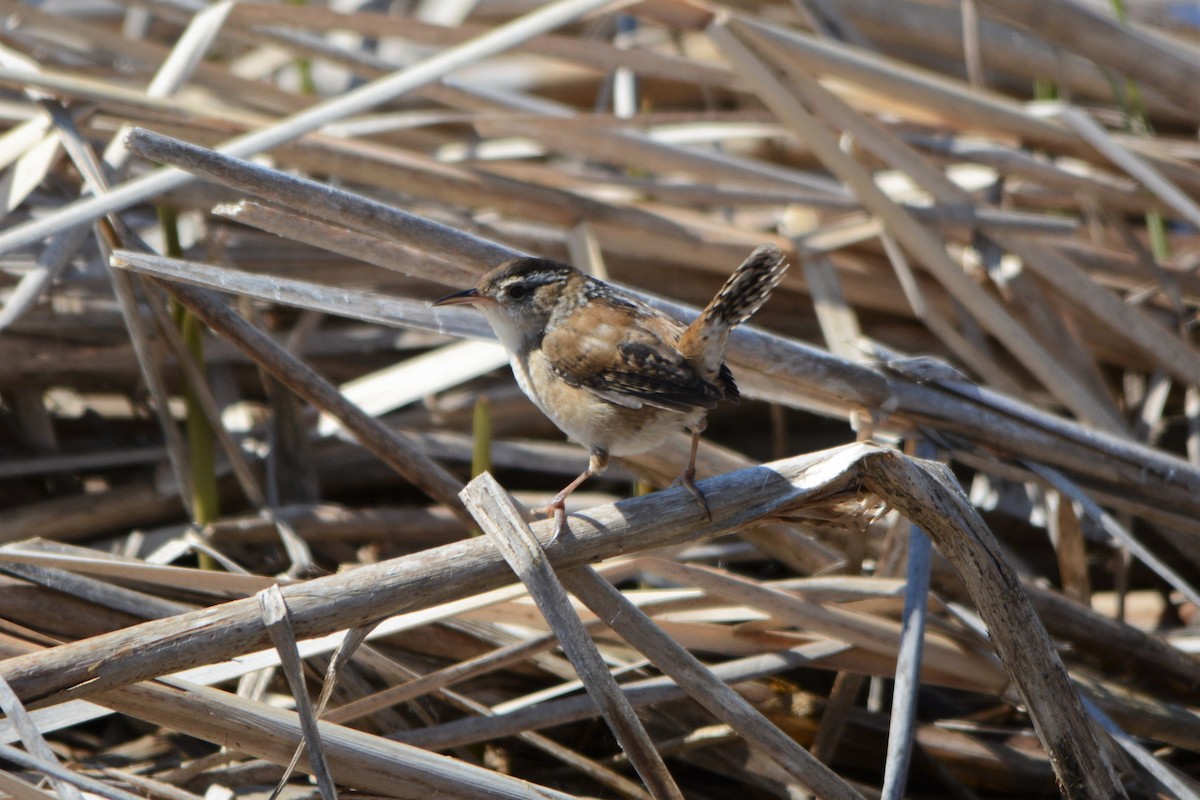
<point>465,297</point>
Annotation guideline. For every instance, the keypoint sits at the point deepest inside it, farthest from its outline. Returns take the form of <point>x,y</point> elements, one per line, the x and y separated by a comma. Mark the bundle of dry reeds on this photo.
<point>953,548</point>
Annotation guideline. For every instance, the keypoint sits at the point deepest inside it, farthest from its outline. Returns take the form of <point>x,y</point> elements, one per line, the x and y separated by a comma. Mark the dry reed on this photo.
<point>953,548</point>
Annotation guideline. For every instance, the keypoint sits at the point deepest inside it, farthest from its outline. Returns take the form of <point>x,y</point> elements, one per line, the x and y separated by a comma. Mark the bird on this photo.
<point>615,374</point>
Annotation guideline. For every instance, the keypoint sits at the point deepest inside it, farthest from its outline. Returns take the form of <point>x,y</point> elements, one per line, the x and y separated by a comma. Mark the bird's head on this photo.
<point>520,298</point>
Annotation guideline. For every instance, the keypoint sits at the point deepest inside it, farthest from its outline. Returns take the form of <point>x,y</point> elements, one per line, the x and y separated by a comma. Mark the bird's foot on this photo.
<point>686,481</point>
<point>556,508</point>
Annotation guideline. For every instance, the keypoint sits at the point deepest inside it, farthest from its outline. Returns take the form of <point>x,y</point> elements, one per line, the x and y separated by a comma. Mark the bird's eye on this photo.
<point>516,291</point>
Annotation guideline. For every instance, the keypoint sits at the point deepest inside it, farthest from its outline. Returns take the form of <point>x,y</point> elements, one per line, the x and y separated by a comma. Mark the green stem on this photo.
<point>308,87</point>
<point>201,446</point>
<point>1156,229</point>
<point>1045,89</point>
<point>481,442</point>
<point>1134,111</point>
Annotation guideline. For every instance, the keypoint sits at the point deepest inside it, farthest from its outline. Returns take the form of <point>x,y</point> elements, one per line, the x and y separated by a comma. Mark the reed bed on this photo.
<point>263,510</point>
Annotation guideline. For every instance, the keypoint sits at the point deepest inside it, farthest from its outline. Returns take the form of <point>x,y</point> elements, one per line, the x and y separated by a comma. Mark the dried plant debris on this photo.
<point>264,511</point>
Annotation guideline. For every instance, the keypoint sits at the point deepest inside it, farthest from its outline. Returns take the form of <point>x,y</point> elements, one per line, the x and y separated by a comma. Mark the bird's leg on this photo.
<point>689,472</point>
<point>558,506</point>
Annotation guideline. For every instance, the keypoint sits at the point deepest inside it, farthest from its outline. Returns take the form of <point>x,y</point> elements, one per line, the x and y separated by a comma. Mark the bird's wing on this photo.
<point>630,361</point>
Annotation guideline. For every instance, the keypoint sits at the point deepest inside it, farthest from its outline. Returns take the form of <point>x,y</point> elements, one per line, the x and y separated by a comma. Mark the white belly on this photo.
<point>593,422</point>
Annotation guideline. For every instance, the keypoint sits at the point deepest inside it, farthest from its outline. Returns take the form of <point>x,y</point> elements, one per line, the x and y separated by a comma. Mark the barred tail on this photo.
<point>703,343</point>
<point>747,289</point>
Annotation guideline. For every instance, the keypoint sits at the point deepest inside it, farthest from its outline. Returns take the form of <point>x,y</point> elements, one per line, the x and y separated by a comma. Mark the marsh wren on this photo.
<point>614,374</point>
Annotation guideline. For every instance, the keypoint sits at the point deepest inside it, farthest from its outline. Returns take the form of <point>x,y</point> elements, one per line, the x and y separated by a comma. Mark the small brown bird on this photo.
<point>616,375</point>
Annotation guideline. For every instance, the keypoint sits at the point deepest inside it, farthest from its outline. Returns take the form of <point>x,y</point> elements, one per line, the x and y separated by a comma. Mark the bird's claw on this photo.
<point>686,481</point>
<point>556,508</point>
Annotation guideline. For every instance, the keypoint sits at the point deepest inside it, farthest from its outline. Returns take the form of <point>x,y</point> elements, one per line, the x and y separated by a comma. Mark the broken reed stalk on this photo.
<point>923,492</point>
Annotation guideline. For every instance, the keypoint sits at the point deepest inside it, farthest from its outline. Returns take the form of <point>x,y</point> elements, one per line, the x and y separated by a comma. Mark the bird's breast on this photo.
<point>592,421</point>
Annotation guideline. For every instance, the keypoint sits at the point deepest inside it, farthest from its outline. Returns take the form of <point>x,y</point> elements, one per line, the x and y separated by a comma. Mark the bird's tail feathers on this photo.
<point>703,343</point>
<point>747,288</point>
